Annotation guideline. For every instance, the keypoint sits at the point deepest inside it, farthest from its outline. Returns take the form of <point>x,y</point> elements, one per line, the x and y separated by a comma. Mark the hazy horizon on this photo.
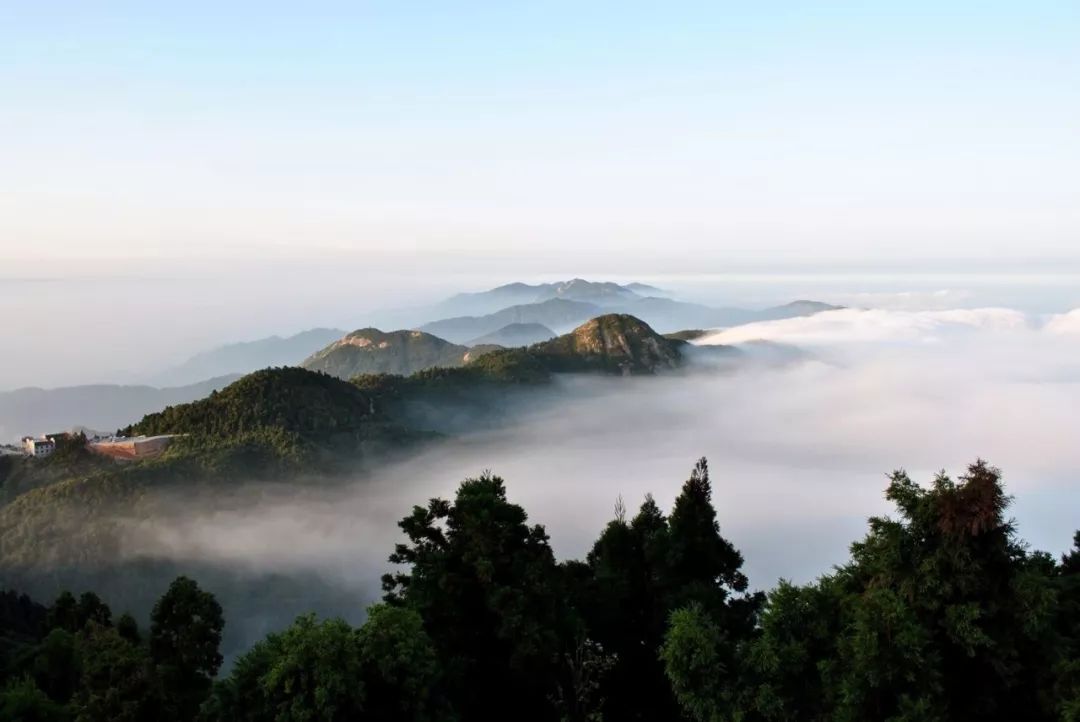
<point>617,134</point>
<point>263,172</point>
<point>130,327</point>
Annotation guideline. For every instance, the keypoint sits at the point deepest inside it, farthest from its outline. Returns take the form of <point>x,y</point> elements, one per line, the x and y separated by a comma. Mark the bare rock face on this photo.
<point>614,343</point>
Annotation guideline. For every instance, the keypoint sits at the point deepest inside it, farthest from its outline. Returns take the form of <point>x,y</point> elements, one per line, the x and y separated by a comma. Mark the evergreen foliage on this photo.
<point>941,613</point>
<point>290,399</point>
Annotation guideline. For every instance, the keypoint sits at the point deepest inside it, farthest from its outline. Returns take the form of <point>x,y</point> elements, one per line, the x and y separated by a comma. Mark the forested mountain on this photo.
<point>289,423</point>
<point>288,399</point>
<point>513,315</point>
<point>941,613</point>
<point>371,351</point>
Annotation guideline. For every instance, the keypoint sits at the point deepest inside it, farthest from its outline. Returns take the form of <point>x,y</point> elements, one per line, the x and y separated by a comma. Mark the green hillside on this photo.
<point>291,424</point>
<point>291,399</point>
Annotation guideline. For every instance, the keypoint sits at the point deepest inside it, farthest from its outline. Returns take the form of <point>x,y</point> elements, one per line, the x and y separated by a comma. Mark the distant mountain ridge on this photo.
<point>292,424</point>
<point>663,314</point>
<point>524,314</point>
<point>558,314</point>
<point>472,319</point>
<point>515,334</point>
<point>482,303</point>
<point>105,407</point>
<point>247,356</point>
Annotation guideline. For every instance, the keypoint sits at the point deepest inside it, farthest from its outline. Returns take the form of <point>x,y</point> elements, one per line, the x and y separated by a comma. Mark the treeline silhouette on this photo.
<point>941,613</point>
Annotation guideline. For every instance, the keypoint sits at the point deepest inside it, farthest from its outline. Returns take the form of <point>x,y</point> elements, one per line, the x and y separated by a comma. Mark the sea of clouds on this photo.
<point>800,430</point>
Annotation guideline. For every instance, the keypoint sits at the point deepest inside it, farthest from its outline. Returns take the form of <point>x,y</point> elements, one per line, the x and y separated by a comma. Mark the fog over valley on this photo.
<point>800,428</point>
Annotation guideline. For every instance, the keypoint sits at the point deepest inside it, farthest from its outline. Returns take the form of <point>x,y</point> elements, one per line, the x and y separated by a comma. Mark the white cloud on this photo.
<point>905,300</point>
<point>850,325</point>
<point>1065,324</point>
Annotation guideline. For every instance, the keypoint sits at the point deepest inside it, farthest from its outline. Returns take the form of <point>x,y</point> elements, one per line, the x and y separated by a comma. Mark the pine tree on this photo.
<point>487,587</point>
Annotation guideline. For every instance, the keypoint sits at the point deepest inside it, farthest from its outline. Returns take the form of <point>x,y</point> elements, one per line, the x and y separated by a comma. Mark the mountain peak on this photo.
<point>369,350</point>
<point>613,342</point>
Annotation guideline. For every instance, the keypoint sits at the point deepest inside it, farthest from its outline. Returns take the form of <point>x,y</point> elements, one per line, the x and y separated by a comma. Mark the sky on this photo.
<point>176,176</point>
<point>630,136</point>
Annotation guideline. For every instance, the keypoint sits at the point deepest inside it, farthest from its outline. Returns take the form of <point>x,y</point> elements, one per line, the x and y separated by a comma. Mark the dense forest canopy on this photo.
<point>941,613</point>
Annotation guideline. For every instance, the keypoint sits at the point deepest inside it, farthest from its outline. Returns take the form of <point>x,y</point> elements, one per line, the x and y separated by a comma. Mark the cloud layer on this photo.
<point>799,448</point>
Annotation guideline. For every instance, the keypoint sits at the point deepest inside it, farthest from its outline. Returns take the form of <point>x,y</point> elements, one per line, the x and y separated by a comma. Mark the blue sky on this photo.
<point>717,132</point>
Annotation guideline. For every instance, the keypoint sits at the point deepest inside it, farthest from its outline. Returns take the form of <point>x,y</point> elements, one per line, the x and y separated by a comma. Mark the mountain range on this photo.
<point>64,519</point>
<point>246,356</point>
<point>516,314</point>
<point>599,293</point>
<point>663,314</point>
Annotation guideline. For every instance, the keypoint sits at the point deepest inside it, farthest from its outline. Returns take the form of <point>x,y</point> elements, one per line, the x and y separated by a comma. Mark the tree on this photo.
<point>64,613</point>
<point>57,665</point>
<point>315,675</point>
<point>91,609</point>
<point>22,701</point>
<point>311,672</point>
<point>1067,673</point>
<point>71,615</point>
<point>579,696</point>
<point>703,566</point>
<point>128,628</point>
<point>941,614</point>
<point>976,610</point>
<point>486,585</point>
<point>119,681</point>
<point>645,570</point>
<point>240,696</point>
<point>401,670</point>
<point>695,664</point>
<point>781,672</point>
<point>185,633</point>
<point>625,608</point>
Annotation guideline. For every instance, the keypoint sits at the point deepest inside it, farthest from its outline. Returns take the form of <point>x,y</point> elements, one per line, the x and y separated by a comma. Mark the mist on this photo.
<point>125,321</point>
<point>799,445</point>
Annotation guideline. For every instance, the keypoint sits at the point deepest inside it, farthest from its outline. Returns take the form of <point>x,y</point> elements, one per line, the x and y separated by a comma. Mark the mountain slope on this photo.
<point>602,293</point>
<point>103,407</point>
<point>247,356</point>
<point>371,351</point>
<point>290,425</point>
<point>614,343</point>
<point>515,334</point>
<point>288,399</point>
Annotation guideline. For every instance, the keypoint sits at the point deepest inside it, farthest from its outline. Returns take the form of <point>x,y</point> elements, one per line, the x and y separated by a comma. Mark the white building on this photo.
<point>38,447</point>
